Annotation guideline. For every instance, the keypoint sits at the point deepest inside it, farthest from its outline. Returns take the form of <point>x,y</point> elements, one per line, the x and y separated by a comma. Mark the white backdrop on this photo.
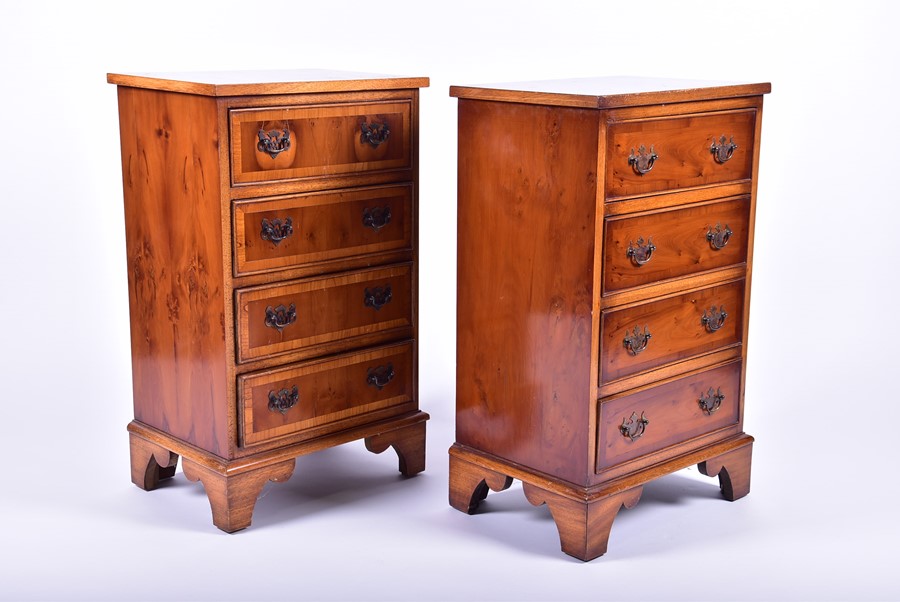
<point>820,519</point>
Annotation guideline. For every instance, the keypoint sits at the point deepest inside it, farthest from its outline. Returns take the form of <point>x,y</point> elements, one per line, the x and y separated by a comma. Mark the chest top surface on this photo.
<point>286,81</point>
<point>609,92</point>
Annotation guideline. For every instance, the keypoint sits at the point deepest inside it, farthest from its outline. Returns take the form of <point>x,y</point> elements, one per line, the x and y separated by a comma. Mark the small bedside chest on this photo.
<point>605,241</point>
<point>271,231</point>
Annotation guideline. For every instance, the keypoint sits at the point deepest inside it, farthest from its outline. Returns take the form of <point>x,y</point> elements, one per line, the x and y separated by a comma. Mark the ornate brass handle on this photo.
<point>643,161</point>
<point>634,427</point>
<point>712,401</point>
<point>374,133</point>
<point>281,317</point>
<point>378,297</point>
<point>636,341</point>
<point>277,229</point>
<point>722,152</point>
<point>714,319</point>
<point>640,252</point>
<point>379,377</point>
<point>718,238</point>
<point>283,400</point>
<point>274,142</point>
<point>376,217</point>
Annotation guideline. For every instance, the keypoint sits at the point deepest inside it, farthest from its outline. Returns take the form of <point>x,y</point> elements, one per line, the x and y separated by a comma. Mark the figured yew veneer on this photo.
<point>271,236</point>
<point>605,243</point>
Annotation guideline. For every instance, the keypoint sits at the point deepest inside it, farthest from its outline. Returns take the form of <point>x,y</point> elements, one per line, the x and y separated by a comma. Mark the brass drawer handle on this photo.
<point>274,142</point>
<point>718,238</point>
<point>636,341</point>
<point>378,297</point>
<point>277,229</point>
<point>283,400</point>
<point>280,317</point>
<point>643,161</point>
<point>632,428</point>
<point>714,319</point>
<point>376,217</point>
<point>722,152</point>
<point>711,401</point>
<point>374,133</point>
<point>379,377</point>
<point>641,252</point>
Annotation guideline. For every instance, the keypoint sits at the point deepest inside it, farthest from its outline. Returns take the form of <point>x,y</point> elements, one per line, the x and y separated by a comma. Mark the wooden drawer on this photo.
<point>683,150</point>
<point>653,246</point>
<point>282,402</point>
<point>285,317</point>
<point>319,140</point>
<point>649,335</point>
<point>654,418</point>
<point>274,234</point>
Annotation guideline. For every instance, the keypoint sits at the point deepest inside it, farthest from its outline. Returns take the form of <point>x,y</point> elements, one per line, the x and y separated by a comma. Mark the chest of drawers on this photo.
<point>605,241</point>
<point>271,232</point>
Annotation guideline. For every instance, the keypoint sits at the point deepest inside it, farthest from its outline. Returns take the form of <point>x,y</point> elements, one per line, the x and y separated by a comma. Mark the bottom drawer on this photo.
<point>287,400</point>
<point>654,418</point>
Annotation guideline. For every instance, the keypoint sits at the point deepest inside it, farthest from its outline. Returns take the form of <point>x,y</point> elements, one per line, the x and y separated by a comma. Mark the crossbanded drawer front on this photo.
<point>672,153</point>
<point>286,143</point>
<point>652,419</point>
<point>650,247</point>
<point>657,333</point>
<point>272,234</point>
<point>281,318</point>
<point>308,395</point>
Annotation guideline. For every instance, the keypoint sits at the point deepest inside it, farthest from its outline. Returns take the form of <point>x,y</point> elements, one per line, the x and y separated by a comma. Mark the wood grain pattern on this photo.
<point>583,515</point>
<point>733,470</point>
<point>527,200</point>
<point>328,309</point>
<point>328,391</point>
<point>673,412</point>
<point>266,82</point>
<point>150,463</point>
<point>676,330</point>
<point>683,147</point>
<point>470,483</point>
<point>680,238</point>
<point>700,194</point>
<point>668,371</point>
<point>326,226</point>
<point>232,486</point>
<point>583,527</point>
<point>408,442</point>
<point>523,229</point>
<point>194,254</point>
<point>174,240</point>
<point>608,92</point>
<point>233,497</point>
<point>325,140</point>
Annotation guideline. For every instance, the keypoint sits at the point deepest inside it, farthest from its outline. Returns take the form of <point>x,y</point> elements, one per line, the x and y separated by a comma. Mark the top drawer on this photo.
<point>667,154</point>
<point>288,143</point>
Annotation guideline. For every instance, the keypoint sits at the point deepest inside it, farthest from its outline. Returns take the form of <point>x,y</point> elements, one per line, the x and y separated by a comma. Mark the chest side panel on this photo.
<point>176,291</point>
<point>527,196</point>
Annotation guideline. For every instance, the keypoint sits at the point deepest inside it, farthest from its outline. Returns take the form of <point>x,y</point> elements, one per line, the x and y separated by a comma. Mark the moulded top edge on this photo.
<point>609,92</point>
<point>243,83</point>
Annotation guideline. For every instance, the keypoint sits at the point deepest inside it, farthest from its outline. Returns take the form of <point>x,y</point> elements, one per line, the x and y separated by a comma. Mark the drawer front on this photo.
<point>658,417</point>
<point>286,401</point>
<point>288,232</point>
<point>686,151</point>
<point>649,247</point>
<point>653,334</point>
<point>286,317</point>
<point>286,143</point>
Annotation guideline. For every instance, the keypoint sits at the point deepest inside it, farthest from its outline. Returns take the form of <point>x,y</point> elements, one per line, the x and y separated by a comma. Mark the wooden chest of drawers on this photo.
<point>272,270</point>
<point>605,245</point>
